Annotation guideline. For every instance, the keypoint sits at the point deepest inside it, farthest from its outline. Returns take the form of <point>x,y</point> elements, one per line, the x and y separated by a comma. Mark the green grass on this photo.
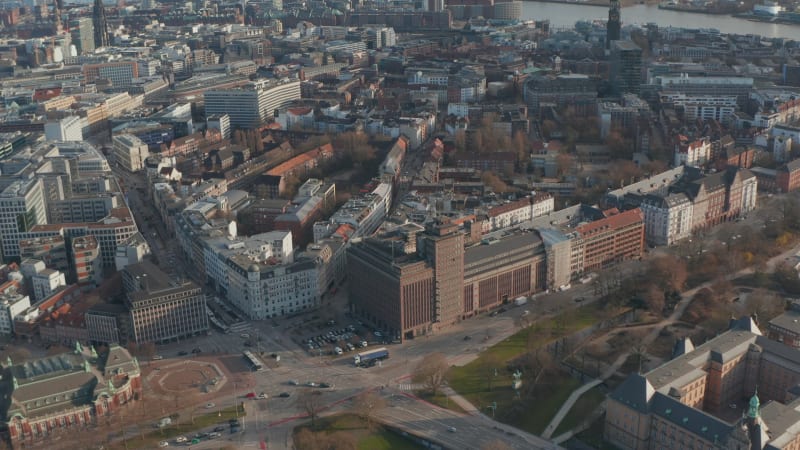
<point>547,404</point>
<point>375,438</point>
<point>581,410</point>
<point>169,433</point>
<point>472,380</point>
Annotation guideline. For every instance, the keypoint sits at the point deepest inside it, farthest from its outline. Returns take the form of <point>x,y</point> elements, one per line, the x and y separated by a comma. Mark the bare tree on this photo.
<point>431,371</point>
<point>366,404</point>
<point>654,298</point>
<point>311,402</point>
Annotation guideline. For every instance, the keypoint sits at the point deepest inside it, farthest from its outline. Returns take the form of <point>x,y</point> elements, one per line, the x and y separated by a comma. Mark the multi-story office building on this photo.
<point>86,261</point>
<point>162,310</point>
<point>740,87</point>
<point>46,282</point>
<point>222,123</point>
<point>626,67</point>
<point>114,229</point>
<point>120,73</point>
<point>253,104</point>
<point>12,302</point>
<point>436,281</point>
<point>607,241</point>
<point>130,152</point>
<point>106,323</point>
<point>574,90</point>
<point>51,250</point>
<point>22,206</point>
<point>687,401</point>
<point>67,391</point>
<point>90,207</point>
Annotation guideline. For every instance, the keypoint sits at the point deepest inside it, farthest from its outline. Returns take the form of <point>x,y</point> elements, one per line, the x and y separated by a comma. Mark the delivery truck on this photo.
<point>369,358</point>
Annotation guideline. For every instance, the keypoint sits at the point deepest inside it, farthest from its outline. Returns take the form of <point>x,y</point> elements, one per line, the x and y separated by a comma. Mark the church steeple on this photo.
<point>614,23</point>
<point>755,405</point>
<point>100,25</point>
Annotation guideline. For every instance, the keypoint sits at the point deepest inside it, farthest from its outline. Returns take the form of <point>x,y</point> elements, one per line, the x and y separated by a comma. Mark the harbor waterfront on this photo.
<point>564,15</point>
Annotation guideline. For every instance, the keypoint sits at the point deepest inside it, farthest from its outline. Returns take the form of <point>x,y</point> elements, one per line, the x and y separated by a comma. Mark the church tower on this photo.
<point>614,23</point>
<point>100,26</point>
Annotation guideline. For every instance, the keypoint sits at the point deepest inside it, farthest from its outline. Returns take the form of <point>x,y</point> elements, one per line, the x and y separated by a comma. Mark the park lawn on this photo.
<point>581,410</point>
<point>188,429</point>
<point>546,406</point>
<point>442,401</point>
<point>377,438</point>
<point>471,380</point>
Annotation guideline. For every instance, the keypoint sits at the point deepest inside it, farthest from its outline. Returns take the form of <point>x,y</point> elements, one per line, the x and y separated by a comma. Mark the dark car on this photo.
<point>219,428</point>
<point>324,385</point>
<point>196,350</point>
<point>233,421</point>
<point>183,353</point>
<point>284,395</point>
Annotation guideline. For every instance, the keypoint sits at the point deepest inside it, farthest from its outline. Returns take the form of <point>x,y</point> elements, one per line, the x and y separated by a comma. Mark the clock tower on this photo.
<point>614,23</point>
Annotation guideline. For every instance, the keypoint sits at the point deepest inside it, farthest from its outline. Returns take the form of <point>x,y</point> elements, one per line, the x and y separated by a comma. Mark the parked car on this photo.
<point>311,384</point>
<point>284,395</point>
<point>210,405</point>
<point>163,444</point>
<point>325,385</point>
<point>183,353</point>
<point>293,382</point>
<point>262,396</point>
<point>181,439</point>
<point>219,428</point>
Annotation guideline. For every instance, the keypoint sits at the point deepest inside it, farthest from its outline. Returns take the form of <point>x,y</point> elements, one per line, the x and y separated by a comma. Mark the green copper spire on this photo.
<point>94,352</point>
<point>755,404</point>
<point>78,348</point>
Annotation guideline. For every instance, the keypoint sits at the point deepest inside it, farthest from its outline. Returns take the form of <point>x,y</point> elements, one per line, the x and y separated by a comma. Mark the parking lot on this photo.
<point>331,337</point>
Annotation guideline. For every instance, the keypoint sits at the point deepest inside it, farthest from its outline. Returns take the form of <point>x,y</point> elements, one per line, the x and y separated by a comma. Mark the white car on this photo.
<point>163,444</point>
<point>210,405</point>
<point>181,439</point>
<point>262,396</point>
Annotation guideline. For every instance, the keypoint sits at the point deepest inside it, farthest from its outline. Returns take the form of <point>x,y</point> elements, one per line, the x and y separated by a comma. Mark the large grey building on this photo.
<point>161,309</point>
<point>253,104</point>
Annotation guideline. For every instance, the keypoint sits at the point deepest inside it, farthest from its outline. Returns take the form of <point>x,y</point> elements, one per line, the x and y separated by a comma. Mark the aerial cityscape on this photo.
<point>428,224</point>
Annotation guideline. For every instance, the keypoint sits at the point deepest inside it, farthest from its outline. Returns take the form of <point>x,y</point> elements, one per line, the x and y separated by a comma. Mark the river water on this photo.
<point>566,14</point>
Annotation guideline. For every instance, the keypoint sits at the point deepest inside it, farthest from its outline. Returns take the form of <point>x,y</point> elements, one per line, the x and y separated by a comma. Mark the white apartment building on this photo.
<point>264,291</point>
<point>67,129</point>
<point>130,152</point>
<point>253,104</point>
<point>11,304</point>
<point>668,219</point>
<point>706,107</point>
<point>362,214</point>
<point>22,206</point>
<point>46,282</point>
<point>694,153</point>
<point>514,213</point>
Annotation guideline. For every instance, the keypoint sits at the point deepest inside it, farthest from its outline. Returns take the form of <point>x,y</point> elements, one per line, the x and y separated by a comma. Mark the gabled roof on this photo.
<point>635,392</point>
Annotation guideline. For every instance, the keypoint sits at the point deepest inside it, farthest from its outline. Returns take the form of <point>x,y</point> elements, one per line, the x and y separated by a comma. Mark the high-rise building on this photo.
<point>100,25</point>
<point>83,34</point>
<point>626,67</point>
<point>160,309</point>
<point>614,23</point>
<point>86,260</point>
<point>253,104</point>
<point>443,248</point>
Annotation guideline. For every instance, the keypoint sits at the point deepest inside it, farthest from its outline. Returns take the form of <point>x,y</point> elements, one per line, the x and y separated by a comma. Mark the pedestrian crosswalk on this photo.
<point>409,386</point>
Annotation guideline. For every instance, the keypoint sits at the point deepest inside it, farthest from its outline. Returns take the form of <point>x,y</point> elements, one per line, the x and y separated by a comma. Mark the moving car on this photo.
<point>163,444</point>
<point>210,405</point>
